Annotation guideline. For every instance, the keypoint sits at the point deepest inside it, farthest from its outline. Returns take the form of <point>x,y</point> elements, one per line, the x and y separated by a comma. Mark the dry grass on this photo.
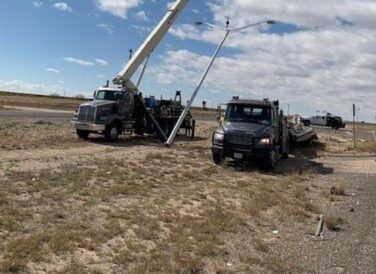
<point>333,223</point>
<point>362,126</point>
<point>38,101</point>
<point>63,103</point>
<point>172,211</point>
<point>21,135</point>
<point>338,190</point>
<point>334,144</point>
<point>367,146</point>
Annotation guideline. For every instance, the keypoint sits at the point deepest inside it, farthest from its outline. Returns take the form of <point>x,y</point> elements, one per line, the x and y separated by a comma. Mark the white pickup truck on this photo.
<point>326,119</point>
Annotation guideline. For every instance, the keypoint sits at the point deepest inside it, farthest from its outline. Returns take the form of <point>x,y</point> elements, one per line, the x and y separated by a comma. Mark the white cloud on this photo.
<point>118,8</point>
<point>60,82</point>
<point>37,4</point>
<point>78,61</point>
<point>101,62</point>
<point>186,31</point>
<point>53,70</point>
<point>36,88</point>
<point>63,7</point>
<point>305,13</point>
<point>107,27</point>
<point>170,4</point>
<point>141,15</point>
<point>325,70</point>
<point>328,64</point>
<point>141,29</point>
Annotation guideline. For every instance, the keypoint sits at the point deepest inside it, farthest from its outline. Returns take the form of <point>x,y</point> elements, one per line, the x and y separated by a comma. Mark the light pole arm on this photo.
<point>214,26</point>
<point>251,25</point>
<point>189,104</point>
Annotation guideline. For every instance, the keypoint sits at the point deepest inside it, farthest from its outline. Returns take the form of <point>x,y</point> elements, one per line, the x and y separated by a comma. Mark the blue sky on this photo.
<point>320,56</point>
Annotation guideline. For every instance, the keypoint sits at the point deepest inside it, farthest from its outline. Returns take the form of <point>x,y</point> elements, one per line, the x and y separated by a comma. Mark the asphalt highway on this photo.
<point>65,116</point>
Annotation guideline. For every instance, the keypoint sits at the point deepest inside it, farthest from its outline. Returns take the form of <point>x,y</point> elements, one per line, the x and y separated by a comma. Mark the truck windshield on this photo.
<point>111,95</point>
<point>248,114</point>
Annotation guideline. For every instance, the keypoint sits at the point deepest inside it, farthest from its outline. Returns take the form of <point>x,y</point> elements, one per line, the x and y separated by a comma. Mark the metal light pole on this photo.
<point>354,132</point>
<point>227,31</point>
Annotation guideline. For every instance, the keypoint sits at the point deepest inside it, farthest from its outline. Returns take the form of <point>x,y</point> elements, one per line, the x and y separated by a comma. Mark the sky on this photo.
<point>320,56</point>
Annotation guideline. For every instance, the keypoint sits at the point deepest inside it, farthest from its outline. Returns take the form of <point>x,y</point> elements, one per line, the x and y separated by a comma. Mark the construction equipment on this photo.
<point>251,129</point>
<point>122,109</point>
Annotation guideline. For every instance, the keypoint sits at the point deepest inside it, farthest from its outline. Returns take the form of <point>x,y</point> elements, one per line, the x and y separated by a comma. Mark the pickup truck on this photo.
<point>251,129</point>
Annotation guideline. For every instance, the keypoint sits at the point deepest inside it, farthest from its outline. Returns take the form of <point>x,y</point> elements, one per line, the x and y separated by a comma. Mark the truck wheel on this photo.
<point>83,134</point>
<point>218,159</point>
<point>139,131</point>
<point>310,141</point>
<point>111,133</point>
<point>193,129</point>
<point>272,160</point>
<point>285,155</point>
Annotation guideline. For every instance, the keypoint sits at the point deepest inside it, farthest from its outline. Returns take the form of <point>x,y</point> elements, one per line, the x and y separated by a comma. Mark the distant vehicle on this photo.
<point>251,129</point>
<point>328,120</point>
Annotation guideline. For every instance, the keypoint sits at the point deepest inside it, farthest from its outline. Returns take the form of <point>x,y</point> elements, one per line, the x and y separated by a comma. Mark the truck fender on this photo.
<point>115,120</point>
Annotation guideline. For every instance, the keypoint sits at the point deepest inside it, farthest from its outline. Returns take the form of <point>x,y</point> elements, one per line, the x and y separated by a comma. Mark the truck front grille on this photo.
<point>86,114</point>
<point>239,140</point>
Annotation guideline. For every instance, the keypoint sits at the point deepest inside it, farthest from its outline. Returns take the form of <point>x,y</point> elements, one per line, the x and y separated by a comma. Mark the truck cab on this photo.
<point>251,129</point>
<point>105,114</point>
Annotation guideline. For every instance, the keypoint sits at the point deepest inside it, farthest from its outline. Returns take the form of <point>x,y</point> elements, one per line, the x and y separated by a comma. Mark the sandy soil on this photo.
<point>69,206</point>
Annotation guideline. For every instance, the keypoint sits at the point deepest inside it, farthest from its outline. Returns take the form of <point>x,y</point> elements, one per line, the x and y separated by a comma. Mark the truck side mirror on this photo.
<point>94,94</point>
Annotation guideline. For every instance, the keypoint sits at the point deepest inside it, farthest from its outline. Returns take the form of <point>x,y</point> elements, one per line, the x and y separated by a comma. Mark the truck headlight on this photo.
<point>265,141</point>
<point>219,136</point>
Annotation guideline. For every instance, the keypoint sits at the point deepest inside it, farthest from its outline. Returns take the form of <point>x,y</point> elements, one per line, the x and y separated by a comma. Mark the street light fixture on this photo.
<point>227,31</point>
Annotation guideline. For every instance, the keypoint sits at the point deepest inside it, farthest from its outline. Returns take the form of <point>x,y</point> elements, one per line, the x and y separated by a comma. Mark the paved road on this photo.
<point>63,115</point>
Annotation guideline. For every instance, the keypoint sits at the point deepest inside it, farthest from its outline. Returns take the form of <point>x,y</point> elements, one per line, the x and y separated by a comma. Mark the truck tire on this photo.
<point>193,129</point>
<point>139,131</point>
<point>272,159</point>
<point>112,132</point>
<point>218,159</point>
<point>285,155</point>
<point>140,126</point>
<point>83,134</point>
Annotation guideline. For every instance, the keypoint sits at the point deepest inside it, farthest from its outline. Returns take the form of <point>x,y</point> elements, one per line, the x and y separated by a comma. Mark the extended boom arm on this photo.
<point>124,76</point>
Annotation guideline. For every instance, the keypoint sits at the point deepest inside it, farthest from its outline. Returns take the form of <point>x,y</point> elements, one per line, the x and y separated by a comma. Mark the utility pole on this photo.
<point>288,110</point>
<point>227,32</point>
<point>354,133</point>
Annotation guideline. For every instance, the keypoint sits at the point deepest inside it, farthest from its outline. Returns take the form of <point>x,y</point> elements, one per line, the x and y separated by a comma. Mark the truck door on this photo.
<point>275,125</point>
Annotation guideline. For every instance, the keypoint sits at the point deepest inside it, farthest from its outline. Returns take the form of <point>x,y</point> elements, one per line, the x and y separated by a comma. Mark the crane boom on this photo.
<point>124,76</point>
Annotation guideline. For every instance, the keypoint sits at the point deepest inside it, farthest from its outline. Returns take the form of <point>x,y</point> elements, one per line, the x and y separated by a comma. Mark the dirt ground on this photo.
<point>135,206</point>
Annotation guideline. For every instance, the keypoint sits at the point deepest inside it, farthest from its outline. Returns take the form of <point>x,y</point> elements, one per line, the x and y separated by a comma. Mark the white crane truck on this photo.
<point>122,109</point>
